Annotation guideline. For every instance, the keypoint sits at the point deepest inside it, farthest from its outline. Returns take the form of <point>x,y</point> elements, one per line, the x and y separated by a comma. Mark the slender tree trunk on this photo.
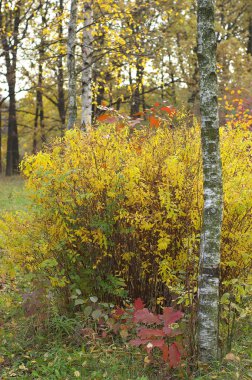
<point>39,113</point>
<point>110,94</point>
<point>173,87</point>
<point>1,164</point>
<point>60,75</point>
<point>193,88</point>
<point>249,48</point>
<point>208,311</point>
<point>136,97</point>
<point>11,17</point>
<point>35,129</point>
<point>12,161</point>
<point>87,53</point>
<point>12,156</point>
<point>143,99</point>
<point>118,104</point>
<point>72,105</point>
<point>162,78</point>
<point>40,102</point>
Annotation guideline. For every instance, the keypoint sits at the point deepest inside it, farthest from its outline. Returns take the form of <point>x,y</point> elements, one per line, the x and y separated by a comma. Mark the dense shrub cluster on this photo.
<point>113,207</point>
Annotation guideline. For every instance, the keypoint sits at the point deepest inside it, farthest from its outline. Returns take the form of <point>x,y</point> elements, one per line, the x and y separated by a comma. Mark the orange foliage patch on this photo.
<point>154,122</point>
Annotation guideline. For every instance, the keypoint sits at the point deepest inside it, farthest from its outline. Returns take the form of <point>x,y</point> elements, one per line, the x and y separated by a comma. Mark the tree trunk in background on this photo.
<point>12,161</point>
<point>136,97</point>
<point>173,87</point>
<point>87,53</point>
<point>10,56</point>
<point>60,72</point>
<point>40,99</point>
<point>249,48</point>
<point>208,311</point>
<point>193,88</point>
<point>99,95</point>
<point>35,128</point>
<point>39,114</point>
<point>162,78</point>
<point>72,105</point>
<point>1,164</point>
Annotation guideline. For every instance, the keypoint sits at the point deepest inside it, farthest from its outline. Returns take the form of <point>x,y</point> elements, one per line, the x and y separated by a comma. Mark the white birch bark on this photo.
<point>71,42</point>
<point>87,55</point>
<point>208,315</point>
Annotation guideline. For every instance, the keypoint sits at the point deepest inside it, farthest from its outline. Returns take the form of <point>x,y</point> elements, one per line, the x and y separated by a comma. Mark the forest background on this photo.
<point>142,53</point>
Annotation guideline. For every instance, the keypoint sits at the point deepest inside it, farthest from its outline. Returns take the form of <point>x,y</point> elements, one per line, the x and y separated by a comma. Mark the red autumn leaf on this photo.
<point>103,117</point>
<point>171,316</point>
<point>171,332</point>
<point>145,316</point>
<point>169,110</point>
<point>138,304</point>
<point>174,355</point>
<point>119,312</point>
<point>144,333</point>
<point>167,330</point>
<point>154,122</point>
<point>181,349</point>
<point>111,119</point>
<point>137,342</point>
<point>165,350</point>
<point>154,343</point>
<point>149,344</point>
<point>138,114</point>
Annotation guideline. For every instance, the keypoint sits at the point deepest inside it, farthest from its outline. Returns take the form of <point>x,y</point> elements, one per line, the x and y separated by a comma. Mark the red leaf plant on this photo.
<point>159,334</point>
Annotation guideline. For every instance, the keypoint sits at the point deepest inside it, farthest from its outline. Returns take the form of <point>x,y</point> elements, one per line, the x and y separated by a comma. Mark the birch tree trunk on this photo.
<point>87,55</point>
<point>72,105</point>
<point>35,129</point>
<point>1,166</point>
<point>208,315</point>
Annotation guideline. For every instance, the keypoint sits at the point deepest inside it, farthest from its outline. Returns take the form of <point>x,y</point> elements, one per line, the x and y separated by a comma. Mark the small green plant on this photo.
<point>62,326</point>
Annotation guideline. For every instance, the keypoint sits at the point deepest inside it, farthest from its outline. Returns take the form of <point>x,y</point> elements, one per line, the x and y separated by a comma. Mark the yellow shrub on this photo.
<point>129,205</point>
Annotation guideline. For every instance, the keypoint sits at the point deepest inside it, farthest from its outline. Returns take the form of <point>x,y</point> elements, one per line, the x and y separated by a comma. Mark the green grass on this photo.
<point>27,353</point>
<point>62,362</point>
<point>57,360</point>
<point>12,194</point>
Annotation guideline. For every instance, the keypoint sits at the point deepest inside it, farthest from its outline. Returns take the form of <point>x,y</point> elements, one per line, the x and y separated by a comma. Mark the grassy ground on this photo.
<point>29,352</point>
<point>12,194</point>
